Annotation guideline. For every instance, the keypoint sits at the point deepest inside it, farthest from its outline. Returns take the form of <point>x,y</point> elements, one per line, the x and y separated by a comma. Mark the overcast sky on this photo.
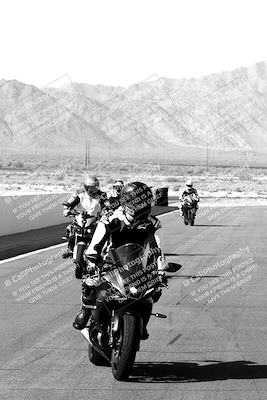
<point>119,42</point>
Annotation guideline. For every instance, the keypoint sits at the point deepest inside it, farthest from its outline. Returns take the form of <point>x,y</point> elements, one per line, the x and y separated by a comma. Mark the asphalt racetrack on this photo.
<point>212,346</point>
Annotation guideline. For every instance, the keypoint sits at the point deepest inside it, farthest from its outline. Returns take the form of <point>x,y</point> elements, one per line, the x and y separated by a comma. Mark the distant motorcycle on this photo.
<point>83,234</point>
<point>189,209</point>
<point>124,294</point>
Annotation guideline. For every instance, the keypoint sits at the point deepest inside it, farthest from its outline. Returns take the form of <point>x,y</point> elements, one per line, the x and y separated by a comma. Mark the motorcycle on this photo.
<point>129,284</point>
<point>189,208</point>
<point>83,233</point>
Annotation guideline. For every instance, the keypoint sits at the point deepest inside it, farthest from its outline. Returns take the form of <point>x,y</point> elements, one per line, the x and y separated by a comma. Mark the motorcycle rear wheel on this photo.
<point>123,356</point>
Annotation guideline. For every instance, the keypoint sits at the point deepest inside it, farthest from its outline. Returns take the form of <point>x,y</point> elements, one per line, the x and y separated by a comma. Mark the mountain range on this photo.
<point>159,117</point>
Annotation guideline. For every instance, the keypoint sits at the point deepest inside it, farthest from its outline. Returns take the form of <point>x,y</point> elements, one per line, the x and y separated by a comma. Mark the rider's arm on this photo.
<point>99,238</point>
<point>73,201</point>
<point>196,194</point>
<point>154,241</point>
<point>181,194</point>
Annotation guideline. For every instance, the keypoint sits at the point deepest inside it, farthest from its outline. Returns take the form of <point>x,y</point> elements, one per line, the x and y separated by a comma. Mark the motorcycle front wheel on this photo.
<point>192,218</point>
<point>79,261</point>
<point>125,347</point>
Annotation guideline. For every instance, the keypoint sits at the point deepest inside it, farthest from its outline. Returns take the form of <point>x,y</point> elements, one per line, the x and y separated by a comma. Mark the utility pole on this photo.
<point>207,157</point>
<point>87,153</point>
<point>86,145</point>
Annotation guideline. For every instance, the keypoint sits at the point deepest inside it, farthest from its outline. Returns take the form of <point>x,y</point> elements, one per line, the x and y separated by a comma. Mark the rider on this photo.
<point>189,190</point>
<point>114,197</point>
<point>130,223</point>
<point>85,200</point>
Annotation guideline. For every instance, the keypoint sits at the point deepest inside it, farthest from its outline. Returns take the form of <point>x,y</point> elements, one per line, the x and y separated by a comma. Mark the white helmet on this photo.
<point>91,181</point>
<point>189,183</point>
<point>91,185</point>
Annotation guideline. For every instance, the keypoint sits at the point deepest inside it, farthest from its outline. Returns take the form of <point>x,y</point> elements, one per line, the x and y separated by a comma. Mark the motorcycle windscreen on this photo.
<point>135,272</point>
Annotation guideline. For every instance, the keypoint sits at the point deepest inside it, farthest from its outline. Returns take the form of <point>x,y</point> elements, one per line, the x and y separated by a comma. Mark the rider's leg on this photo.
<point>71,239</point>
<point>88,299</point>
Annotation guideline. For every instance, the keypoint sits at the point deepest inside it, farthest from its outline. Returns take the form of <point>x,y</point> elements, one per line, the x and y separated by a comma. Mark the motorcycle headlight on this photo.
<point>133,290</point>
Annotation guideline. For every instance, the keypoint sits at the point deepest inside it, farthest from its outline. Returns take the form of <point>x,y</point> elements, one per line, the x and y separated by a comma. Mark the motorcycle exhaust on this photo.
<point>158,315</point>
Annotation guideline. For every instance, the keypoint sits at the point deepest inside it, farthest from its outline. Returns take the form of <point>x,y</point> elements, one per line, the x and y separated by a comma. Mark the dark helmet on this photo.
<point>91,185</point>
<point>136,199</point>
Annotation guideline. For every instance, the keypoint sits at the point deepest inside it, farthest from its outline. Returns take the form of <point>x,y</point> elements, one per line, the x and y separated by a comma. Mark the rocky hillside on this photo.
<point>225,111</point>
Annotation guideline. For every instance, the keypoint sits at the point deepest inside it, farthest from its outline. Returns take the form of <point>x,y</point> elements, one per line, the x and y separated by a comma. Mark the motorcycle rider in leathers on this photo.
<point>189,190</point>
<point>113,200</point>
<point>85,200</point>
<point>130,223</point>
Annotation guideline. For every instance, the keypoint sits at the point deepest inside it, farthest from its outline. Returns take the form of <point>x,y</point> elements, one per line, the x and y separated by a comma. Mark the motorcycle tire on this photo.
<point>123,356</point>
<point>192,218</point>
<point>80,263</point>
<point>96,358</point>
<point>78,272</point>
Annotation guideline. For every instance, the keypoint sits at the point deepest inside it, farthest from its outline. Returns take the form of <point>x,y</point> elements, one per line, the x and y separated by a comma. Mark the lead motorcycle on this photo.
<point>189,208</point>
<point>129,283</point>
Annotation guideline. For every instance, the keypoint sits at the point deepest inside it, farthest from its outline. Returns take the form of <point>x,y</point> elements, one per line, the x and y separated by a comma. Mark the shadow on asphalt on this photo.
<point>217,226</point>
<point>189,255</point>
<point>193,372</point>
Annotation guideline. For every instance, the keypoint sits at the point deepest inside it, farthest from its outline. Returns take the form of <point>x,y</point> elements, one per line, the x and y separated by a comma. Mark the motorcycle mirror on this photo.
<point>158,315</point>
<point>172,267</point>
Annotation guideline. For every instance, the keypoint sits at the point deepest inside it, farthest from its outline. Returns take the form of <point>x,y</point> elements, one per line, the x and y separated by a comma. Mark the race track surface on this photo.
<point>212,346</point>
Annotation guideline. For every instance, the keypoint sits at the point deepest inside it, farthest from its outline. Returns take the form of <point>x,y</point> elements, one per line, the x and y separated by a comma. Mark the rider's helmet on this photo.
<point>91,185</point>
<point>136,199</point>
<point>117,187</point>
<point>189,183</point>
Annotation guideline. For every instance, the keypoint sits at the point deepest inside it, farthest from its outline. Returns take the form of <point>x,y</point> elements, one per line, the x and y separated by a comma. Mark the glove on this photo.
<point>161,262</point>
<point>91,267</point>
<point>91,282</point>
<point>164,279</point>
<point>66,212</point>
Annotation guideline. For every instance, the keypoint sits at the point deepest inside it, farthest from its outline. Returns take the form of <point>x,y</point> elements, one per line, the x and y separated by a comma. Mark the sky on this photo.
<point>121,42</point>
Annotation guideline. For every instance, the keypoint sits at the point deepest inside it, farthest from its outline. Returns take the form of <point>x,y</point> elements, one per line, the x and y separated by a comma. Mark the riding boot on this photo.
<point>68,253</point>
<point>88,299</point>
<point>82,318</point>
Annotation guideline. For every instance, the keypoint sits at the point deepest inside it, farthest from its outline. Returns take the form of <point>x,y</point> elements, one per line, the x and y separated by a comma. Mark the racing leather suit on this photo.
<point>189,192</point>
<point>82,202</point>
<point>113,232</point>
